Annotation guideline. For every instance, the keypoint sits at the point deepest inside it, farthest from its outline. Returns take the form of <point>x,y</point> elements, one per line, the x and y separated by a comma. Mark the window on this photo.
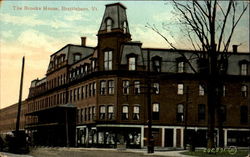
<point>157,63</point>
<point>109,25</point>
<point>180,67</point>
<point>125,112</point>
<point>79,93</point>
<point>103,88</point>
<point>77,57</point>
<point>89,113</point>
<point>180,89</point>
<point>156,88</point>
<point>125,85</point>
<point>180,113</point>
<point>110,87</point>
<point>156,111</point>
<point>137,89</point>
<point>243,69</point>
<point>201,90</point>
<point>224,90</point>
<point>223,113</point>
<point>244,114</point>
<point>83,92</point>
<point>102,112</point>
<point>94,89</point>
<point>108,60</point>
<point>244,91</point>
<point>93,113</point>
<point>201,112</point>
<point>136,113</point>
<point>93,62</point>
<point>110,112</point>
<point>131,63</point>
<point>86,91</point>
<point>124,27</point>
<point>75,94</point>
<point>70,95</point>
<point>90,89</point>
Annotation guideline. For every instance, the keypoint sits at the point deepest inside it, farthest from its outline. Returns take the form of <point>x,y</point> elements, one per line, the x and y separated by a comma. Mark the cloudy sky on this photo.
<point>36,34</point>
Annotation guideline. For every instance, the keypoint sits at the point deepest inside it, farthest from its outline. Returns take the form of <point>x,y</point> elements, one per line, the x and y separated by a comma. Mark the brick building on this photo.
<point>97,96</point>
<point>8,117</point>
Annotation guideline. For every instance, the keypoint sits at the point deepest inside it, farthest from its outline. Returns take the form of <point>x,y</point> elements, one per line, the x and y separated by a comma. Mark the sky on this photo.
<point>36,34</point>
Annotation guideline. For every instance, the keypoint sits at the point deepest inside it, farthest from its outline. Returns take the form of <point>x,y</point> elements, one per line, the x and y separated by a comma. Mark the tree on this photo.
<point>209,26</point>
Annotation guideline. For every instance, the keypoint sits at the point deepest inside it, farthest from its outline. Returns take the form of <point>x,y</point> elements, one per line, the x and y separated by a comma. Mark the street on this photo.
<point>91,152</point>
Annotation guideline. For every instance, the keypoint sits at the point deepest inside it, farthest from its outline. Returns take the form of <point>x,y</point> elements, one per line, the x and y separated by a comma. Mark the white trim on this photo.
<point>225,137</point>
<point>142,136</point>
<point>234,129</point>
<point>182,138</point>
<point>121,125</point>
<point>163,137</point>
<point>174,138</point>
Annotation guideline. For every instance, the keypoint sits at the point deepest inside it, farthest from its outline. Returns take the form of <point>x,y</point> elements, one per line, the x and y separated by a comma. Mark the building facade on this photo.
<point>98,96</point>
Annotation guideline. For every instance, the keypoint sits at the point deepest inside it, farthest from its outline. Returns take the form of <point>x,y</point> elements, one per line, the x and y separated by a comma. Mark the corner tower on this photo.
<point>114,31</point>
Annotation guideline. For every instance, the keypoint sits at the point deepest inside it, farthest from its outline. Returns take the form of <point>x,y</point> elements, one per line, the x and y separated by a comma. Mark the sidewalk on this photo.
<point>161,152</point>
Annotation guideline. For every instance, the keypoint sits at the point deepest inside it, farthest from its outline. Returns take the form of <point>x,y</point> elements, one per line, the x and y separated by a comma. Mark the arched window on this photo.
<point>109,25</point>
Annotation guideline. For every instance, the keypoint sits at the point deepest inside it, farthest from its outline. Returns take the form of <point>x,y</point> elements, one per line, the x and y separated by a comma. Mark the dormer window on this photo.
<point>109,25</point>
<point>157,63</point>
<point>132,61</point>
<point>243,67</point>
<point>77,57</point>
<point>124,27</point>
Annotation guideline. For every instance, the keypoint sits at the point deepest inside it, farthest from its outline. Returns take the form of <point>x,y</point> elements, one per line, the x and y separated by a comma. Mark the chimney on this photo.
<point>235,47</point>
<point>83,39</point>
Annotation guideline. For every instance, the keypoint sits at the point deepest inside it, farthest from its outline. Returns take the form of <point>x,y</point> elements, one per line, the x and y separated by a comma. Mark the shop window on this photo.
<point>180,89</point>
<point>125,85</point>
<point>103,87</point>
<point>108,60</point>
<point>244,91</point>
<point>110,112</point>
<point>136,113</point>
<point>201,112</point>
<point>102,112</point>
<point>125,112</point>
<point>244,114</point>
<point>156,111</point>
<point>111,87</point>
<point>180,113</point>
<point>137,89</point>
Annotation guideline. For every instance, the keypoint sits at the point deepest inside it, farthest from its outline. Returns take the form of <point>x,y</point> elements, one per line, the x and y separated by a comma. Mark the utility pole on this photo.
<point>186,117</point>
<point>20,98</point>
<point>150,137</point>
